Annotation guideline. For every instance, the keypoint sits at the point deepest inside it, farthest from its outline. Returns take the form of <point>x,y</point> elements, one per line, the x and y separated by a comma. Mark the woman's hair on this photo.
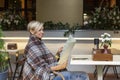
<point>34,26</point>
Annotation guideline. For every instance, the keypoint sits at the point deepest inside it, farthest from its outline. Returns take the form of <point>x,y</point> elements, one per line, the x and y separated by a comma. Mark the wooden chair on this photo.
<point>19,66</point>
<point>105,70</point>
<point>114,69</point>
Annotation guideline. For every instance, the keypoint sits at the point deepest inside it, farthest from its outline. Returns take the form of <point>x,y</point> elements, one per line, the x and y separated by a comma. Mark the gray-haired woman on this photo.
<point>40,61</point>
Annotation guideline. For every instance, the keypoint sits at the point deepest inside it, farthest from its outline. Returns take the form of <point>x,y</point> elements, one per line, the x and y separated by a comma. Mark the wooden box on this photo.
<point>99,56</point>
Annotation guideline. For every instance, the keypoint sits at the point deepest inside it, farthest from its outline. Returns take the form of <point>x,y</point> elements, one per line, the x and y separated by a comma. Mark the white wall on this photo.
<point>70,11</point>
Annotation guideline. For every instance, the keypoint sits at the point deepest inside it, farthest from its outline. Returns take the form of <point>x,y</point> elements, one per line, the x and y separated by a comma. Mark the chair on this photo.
<point>19,65</point>
<point>114,51</point>
<point>105,70</point>
<point>10,66</point>
<point>114,69</point>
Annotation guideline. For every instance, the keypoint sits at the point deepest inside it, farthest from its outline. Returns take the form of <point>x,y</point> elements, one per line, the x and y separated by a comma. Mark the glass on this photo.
<point>96,43</point>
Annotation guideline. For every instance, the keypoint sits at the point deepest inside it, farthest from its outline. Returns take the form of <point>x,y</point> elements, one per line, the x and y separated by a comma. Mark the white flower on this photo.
<point>106,39</point>
<point>102,35</point>
<point>103,40</point>
<point>90,21</point>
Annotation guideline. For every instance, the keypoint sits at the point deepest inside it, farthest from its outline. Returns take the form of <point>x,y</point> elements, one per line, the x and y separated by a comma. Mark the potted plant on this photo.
<point>3,59</point>
<point>71,30</point>
<point>106,41</point>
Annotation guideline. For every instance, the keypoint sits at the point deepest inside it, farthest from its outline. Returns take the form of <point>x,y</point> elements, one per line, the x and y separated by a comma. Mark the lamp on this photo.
<point>96,43</point>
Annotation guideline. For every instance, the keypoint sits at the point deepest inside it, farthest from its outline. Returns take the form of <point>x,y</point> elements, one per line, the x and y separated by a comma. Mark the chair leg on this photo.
<point>10,69</point>
<point>106,70</point>
<point>21,71</point>
<point>115,71</point>
<point>15,71</point>
<point>95,73</point>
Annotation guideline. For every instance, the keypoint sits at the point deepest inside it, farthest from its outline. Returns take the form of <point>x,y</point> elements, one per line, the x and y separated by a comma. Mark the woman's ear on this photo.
<point>32,32</point>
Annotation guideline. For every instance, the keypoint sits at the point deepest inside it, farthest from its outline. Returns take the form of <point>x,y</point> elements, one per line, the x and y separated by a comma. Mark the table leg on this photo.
<point>99,72</point>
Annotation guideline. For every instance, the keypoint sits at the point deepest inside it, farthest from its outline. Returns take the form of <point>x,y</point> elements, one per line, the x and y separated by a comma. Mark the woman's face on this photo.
<point>40,33</point>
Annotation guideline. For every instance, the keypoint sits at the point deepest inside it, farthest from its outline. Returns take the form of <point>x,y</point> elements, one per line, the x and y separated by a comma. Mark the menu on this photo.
<point>67,49</point>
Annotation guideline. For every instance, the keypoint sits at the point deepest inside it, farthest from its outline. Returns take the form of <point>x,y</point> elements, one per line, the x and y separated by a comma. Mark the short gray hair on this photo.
<point>34,26</point>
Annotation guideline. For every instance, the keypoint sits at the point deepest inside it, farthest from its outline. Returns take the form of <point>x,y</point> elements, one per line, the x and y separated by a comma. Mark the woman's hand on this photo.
<point>58,53</point>
<point>59,50</point>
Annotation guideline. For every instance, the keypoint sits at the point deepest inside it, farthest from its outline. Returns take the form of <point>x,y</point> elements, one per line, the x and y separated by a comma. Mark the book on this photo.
<point>67,49</point>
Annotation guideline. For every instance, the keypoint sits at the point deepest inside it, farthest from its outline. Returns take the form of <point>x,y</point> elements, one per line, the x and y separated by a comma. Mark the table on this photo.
<point>87,60</point>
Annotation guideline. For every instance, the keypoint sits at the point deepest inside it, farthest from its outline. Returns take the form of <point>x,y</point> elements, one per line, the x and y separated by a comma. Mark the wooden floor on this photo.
<point>91,76</point>
<point>108,77</point>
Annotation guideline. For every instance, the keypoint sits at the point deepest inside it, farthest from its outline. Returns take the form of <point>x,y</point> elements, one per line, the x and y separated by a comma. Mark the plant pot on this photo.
<point>105,49</point>
<point>4,75</point>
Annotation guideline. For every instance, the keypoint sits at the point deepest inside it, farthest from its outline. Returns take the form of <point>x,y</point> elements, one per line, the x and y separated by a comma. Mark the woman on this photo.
<point>40,61</point>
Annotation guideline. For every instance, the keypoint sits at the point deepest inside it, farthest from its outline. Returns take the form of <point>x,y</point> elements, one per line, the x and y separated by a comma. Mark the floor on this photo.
<point>91,76</point>
<point>108,77</point>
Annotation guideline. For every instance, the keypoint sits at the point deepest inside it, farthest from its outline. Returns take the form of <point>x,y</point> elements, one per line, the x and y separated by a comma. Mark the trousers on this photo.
<point>73,76</point>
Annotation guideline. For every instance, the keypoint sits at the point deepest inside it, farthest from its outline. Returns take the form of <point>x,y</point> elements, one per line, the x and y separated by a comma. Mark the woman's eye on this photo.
<point>40,30</point>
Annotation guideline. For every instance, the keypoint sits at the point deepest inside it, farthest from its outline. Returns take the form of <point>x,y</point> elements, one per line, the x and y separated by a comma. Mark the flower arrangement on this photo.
<point>106,39</point>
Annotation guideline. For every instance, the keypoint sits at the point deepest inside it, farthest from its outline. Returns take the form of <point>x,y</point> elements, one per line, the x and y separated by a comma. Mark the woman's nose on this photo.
<point>42,31</point>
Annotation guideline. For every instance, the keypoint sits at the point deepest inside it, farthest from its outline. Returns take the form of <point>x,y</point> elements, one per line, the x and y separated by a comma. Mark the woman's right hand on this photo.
<point>59,50</point>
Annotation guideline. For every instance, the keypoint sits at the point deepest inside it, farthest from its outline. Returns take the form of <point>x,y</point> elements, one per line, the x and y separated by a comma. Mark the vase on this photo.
<point>105,49</point>
<point>4,75</point>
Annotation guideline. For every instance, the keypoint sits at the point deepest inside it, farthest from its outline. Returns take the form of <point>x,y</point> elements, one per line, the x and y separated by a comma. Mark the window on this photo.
<point>25,8</point>
<point>100,14</point>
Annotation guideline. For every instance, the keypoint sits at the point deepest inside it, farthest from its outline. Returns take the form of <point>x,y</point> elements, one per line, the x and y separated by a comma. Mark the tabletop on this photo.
<point>87,60</point>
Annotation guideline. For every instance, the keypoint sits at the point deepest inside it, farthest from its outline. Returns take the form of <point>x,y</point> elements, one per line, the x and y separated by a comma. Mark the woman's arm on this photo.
<point>59,67</point>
